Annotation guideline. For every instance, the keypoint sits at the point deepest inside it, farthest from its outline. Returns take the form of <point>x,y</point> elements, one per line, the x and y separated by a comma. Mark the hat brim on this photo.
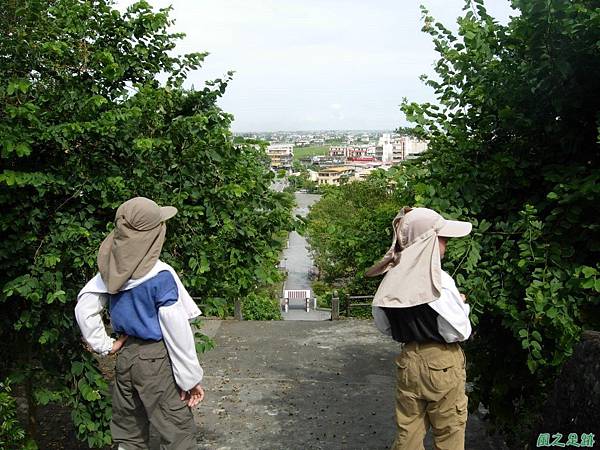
<point>455,228</point>
<point>166,212</point>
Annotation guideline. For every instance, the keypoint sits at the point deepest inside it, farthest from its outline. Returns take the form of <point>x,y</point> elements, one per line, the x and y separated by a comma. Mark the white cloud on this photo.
<point>294,60</point>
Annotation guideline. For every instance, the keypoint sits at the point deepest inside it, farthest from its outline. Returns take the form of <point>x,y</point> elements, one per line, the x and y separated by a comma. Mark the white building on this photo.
<point>393,148</point>
<point>351,151</point>
<point>281,155</point>
<point>414,147</point>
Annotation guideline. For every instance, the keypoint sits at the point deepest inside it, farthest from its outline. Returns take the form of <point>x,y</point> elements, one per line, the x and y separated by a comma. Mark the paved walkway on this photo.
<point>298,262</point>
<point>302,385</point>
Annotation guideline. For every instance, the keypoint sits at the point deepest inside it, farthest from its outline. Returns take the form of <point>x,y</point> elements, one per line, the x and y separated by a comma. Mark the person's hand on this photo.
<point>193,396</point>
<point>464,298</point>
<point>118,344</point>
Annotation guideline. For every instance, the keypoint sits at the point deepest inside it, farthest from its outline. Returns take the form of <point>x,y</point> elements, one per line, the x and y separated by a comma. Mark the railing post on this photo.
<point>335,306</point>
<point>237,309</point>
<point>347,306</point>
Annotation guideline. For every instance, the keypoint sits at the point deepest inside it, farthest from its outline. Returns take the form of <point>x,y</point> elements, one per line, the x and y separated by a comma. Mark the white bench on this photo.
<point>297,294</point>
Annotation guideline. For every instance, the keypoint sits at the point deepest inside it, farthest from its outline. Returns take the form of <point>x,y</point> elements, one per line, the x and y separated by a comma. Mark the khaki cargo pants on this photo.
<point>145,392</point>
<point>431,392</point>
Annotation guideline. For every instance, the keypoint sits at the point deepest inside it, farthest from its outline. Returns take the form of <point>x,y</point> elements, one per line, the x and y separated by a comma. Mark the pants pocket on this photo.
<point>442,373</point>
<point>153,359</point>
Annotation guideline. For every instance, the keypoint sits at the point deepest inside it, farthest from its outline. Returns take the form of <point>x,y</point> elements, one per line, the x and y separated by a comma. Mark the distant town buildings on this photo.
<point>362,173</point>
<point>310,138</point>
<point>357,150</point>
<point>351,151</point>
<point>313,175</point>
<point>324,161</point>
<point>334,175</point>
<point>281,156</point>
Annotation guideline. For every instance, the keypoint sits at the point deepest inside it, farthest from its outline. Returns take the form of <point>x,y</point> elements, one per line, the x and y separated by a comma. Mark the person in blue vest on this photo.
<point>157,374</point>
<point>418,304</point>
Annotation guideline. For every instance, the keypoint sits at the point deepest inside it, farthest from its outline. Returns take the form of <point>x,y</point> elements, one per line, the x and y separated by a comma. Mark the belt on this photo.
<point>416,346</point>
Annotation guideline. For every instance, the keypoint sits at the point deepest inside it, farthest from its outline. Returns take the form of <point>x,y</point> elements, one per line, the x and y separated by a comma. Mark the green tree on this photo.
<point>513,148</point>
<point>346,226</point>
<point>85,125</point>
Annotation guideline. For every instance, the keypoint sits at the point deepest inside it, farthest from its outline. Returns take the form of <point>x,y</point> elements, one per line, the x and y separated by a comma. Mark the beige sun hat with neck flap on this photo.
<point>132,249</point>
<point>412,264</point>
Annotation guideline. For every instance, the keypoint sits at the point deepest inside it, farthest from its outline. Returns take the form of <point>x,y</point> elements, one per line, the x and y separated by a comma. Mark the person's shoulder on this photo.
<point>164,277</point>
<point>163,284</point>
<point>94,286</point>
<point>162,280</point>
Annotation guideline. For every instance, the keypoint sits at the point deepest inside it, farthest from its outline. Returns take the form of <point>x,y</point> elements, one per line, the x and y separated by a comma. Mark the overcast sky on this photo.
<point>315,64</point>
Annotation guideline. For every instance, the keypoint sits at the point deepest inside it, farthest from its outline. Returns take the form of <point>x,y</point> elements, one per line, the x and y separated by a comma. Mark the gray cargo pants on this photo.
<point>144,392</point>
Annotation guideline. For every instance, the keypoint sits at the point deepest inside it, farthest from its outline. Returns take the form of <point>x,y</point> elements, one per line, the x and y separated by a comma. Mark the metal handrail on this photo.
<point>335,303</point>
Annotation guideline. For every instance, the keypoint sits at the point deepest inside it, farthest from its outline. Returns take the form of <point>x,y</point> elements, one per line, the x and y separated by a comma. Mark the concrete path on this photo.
<point>298,262</point>
<point>312,315</point>
<point>302,385</point>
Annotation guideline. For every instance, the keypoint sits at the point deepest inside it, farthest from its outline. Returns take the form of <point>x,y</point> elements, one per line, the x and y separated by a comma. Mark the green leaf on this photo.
<point>76,368</point>
<point>589,272</point>
<point>23,149</point>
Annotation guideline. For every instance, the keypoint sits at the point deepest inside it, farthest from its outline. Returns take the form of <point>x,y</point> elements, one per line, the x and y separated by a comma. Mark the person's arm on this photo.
<point>453,320</point>
<point>88,313</point>
<point>179,340</point>
<point>177,333</point>
<point>381,320</point>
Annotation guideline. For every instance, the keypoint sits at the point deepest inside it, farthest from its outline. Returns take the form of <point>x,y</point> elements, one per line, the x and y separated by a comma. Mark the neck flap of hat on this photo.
<point>132,249</point>
<point>412,263</point>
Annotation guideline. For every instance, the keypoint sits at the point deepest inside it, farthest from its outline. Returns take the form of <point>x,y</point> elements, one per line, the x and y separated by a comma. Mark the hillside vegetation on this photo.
<point>513,148</point>
<point>85,125</point>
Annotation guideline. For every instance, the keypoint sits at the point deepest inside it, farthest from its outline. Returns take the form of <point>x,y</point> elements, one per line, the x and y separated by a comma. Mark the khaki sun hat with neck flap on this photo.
<point>412,264</point>
<point>132,249</point>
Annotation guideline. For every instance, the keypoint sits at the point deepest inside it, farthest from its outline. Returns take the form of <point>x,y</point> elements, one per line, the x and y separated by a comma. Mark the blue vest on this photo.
<point>135,312</point>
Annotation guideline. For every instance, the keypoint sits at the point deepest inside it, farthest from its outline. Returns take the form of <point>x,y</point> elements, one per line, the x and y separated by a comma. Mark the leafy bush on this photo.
<point>322,291</point>
<point>261,306</point>
<point>204,343</point>
<point>513,148</point>
<point>12,434</point>
<point>217,307</point>
<point>85,125</point>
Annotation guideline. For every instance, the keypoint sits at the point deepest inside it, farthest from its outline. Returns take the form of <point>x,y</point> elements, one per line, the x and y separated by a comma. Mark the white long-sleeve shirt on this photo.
<point>173,320</point>
<point>453,314</point>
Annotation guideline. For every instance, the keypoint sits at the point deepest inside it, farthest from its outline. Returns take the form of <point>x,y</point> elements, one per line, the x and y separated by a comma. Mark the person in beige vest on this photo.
<point>157,374</point>
<point>418,304</point>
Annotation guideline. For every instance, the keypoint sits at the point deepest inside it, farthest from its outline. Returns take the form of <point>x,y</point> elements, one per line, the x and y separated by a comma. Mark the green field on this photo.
<point>313,150</point>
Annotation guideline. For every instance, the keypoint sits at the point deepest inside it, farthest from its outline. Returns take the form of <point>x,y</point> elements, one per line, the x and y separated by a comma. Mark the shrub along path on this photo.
<point>302,385</point>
